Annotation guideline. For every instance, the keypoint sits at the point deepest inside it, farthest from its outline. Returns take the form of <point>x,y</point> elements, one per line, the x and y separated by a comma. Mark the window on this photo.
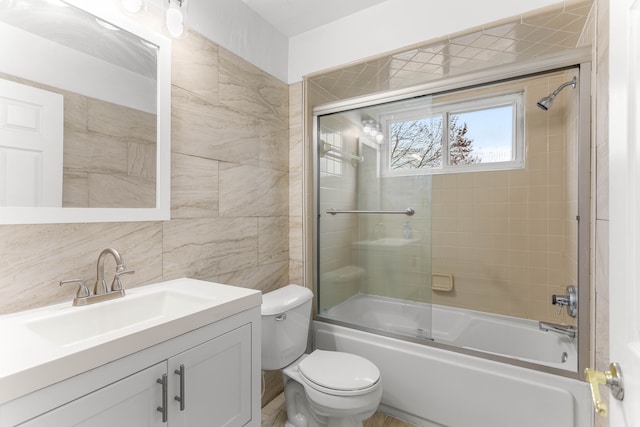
<point>468,135</point>
<point>416,143</point>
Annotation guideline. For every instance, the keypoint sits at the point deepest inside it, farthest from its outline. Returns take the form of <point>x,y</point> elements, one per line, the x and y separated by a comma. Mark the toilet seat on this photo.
<point>338,373</point>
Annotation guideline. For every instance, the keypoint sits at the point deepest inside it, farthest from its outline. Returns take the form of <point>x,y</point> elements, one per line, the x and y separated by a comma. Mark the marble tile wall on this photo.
<point>104,165</point>
<point>230,204</point>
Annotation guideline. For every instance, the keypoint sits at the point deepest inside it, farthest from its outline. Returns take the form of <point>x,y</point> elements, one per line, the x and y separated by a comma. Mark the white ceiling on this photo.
<point>293,17</point>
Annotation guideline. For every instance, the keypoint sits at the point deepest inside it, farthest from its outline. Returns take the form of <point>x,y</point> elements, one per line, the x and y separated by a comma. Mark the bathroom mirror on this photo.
<point>84,114</point>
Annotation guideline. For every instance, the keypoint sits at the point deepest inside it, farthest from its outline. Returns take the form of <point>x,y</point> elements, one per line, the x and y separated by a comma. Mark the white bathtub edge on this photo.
<point>430,385</point>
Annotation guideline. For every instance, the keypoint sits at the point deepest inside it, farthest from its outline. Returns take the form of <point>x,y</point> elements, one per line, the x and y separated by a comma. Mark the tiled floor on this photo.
<point>274,415</point>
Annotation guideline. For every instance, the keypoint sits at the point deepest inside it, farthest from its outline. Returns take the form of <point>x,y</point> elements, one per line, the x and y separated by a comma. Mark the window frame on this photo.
<point>446,110</point>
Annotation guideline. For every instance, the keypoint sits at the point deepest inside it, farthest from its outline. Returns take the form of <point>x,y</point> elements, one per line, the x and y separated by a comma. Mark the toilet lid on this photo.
<point>339,371</point>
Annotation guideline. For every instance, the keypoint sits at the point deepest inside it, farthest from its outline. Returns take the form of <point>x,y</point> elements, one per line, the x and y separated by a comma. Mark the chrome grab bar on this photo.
<point>407,212</point>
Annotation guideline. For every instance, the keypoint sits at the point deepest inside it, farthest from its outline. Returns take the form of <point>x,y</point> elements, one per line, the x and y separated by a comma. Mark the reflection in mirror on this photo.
<point>79,103</point>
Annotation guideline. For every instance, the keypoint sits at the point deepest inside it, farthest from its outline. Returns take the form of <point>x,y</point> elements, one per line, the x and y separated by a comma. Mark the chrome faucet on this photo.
<point>116,285</point>
<point>101,292</point>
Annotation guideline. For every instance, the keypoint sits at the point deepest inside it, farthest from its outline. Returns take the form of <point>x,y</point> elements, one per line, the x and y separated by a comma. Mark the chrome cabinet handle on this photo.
<point>180,372</point>
<point>163,409</point>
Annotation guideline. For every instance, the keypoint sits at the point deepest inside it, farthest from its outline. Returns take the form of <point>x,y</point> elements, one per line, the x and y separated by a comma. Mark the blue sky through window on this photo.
<point>491,130</point>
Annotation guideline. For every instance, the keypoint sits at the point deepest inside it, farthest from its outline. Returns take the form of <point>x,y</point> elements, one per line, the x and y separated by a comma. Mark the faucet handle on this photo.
<point>83,290</point>
<point>116,285</point>
<point>570,301</point>
<point>561,301</point>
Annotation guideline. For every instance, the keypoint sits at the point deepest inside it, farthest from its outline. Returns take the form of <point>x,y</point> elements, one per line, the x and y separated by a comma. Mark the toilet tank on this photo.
<point>286,313</point>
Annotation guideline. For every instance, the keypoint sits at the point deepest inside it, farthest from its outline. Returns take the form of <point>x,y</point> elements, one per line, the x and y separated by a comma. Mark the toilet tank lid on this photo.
<point>285,298</point>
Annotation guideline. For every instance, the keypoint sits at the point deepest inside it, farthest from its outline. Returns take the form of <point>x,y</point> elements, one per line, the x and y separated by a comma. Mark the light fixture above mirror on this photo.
<point>175,16</point>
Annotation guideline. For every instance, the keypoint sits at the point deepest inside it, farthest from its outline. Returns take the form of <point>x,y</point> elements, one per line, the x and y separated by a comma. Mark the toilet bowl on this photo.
<point>323,388</point>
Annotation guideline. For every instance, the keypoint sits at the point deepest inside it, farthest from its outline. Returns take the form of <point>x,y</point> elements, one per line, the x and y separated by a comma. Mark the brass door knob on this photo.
<point>611,378</point>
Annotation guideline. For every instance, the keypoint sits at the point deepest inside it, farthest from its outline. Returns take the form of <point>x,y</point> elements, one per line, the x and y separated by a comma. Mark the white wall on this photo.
<point>236,27</point>
<point>392,25</point>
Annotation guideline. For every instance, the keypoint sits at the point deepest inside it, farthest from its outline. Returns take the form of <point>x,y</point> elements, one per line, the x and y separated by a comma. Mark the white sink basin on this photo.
<point>43,346</point>
<point>76,324</point>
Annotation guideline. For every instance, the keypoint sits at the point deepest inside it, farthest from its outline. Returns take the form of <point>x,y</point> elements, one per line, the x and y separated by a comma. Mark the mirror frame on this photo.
<point>162,211</point>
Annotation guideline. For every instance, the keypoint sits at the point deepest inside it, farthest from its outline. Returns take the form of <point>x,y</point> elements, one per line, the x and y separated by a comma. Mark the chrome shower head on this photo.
<point>546,102</point>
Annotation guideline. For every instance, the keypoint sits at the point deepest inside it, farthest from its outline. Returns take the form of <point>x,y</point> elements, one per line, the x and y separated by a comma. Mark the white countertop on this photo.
<point>37,353</point>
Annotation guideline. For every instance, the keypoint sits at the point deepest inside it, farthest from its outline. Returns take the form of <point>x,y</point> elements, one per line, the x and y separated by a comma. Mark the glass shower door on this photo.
<point>373,236</point>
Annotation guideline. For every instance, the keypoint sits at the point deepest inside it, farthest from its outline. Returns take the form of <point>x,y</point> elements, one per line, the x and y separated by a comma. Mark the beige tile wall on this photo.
<point>508,236</point>
<point>229,198</point>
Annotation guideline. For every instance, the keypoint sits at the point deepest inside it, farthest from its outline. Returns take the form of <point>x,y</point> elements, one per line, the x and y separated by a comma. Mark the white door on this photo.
<point>624,164</point>
<point>31,134</point>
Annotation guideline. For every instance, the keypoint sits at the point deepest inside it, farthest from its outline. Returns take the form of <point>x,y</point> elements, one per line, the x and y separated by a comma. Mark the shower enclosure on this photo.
<point>452,217</point>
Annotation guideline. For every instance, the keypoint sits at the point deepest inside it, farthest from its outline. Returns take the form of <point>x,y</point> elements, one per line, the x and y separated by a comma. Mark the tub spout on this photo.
<point>567,330</point>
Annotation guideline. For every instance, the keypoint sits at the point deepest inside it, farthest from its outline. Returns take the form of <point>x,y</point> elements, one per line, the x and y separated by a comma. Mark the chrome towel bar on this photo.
<point>407,212</point>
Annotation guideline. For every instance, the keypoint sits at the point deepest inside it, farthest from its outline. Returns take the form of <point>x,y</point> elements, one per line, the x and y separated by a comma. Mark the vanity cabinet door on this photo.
<point>217,382</point>
<point>130,402</point>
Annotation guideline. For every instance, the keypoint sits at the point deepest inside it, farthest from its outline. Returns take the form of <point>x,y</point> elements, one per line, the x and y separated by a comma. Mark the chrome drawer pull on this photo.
<point>180,372</point>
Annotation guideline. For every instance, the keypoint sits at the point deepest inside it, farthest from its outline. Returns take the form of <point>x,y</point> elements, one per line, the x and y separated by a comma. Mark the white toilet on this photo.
<point>324,388</point>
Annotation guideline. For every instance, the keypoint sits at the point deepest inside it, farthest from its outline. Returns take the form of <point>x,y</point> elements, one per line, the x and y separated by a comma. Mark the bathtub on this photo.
<point>433,386</point>
<point>512,337</point>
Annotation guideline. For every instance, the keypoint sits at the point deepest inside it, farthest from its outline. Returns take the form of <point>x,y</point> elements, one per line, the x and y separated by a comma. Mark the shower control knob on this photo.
<point>570,301</point>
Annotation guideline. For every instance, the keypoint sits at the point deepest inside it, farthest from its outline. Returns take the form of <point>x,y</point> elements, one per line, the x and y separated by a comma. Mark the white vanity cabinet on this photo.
<point>212,379</point>
<point>216,382</point>
<point>131,401</point>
